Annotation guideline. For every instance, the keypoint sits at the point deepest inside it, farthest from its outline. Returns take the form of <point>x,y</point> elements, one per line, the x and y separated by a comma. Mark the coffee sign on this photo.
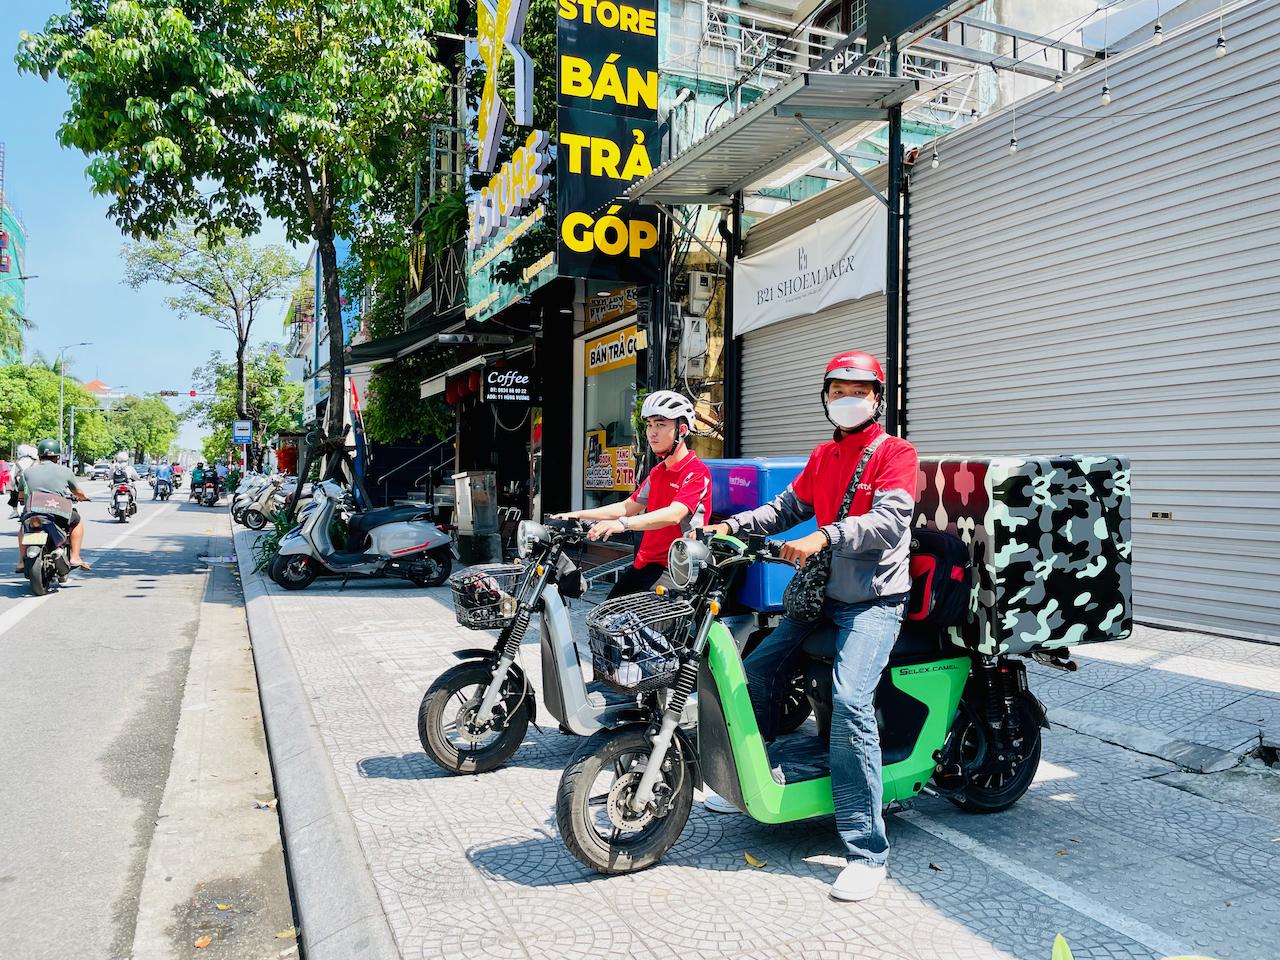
<point>515,384</point>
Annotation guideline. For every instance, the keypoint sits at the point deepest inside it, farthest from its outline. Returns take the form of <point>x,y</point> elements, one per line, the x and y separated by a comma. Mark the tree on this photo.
<point>272,401</point>
<point>203,111</point>
<point>227,281</point>
<point>13,326</point>
<point>29,410</point>
<point>143,426</point>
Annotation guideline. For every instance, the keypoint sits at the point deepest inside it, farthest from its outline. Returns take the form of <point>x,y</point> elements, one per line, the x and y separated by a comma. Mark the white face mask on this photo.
<point>851,412</point>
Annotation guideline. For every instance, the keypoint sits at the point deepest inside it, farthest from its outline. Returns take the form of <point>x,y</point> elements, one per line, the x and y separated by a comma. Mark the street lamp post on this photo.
<point>62,376</point>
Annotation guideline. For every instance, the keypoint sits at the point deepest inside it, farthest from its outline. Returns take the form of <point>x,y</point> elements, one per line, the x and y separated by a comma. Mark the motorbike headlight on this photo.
<point>685,561</point>
<point>529,536</point>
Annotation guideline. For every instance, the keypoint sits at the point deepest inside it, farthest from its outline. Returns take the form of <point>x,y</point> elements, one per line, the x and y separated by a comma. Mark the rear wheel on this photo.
<point>996,779</point>
<point>443,564</point>
<point>237,515</point>
<point>33,567</point>
<point>446,717</point>
<point>593,810</point>
<point>254,518</point>
<point>295,571</point>
<point>796,708</point>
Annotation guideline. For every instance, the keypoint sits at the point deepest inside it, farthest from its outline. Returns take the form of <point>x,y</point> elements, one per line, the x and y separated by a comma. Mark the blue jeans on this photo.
<point>865,635</point>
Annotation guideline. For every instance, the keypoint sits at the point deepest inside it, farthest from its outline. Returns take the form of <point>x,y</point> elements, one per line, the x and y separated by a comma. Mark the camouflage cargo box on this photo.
<point>1050,542</point>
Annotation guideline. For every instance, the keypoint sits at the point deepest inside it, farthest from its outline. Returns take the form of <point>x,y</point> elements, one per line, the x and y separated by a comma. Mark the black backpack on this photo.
<point>941,578</point>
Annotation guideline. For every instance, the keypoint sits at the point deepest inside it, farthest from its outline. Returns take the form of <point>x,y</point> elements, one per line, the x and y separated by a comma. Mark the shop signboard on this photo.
<point>839,258</point>
<point>505,200</point>
<point>513,384</point>
<point>611,305</point>
<point>608,468</point>
<point>607,119</point>
<point>613,350</point>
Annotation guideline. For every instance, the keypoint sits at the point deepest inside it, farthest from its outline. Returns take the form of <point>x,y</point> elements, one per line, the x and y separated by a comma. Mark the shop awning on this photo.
<point>364,357</point>
<point>436,385</point>
<point>791,128</point>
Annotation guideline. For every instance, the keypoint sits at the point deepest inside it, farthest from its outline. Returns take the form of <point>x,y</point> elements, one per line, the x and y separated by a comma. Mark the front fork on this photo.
<point>510,648</point>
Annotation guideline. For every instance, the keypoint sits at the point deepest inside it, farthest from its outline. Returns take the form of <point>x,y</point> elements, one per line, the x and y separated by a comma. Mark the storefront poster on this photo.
<point>839,258</point>
<point>608,468</point>
<point>611,305</point>
<point>613,350</point>
<point>607,97</point>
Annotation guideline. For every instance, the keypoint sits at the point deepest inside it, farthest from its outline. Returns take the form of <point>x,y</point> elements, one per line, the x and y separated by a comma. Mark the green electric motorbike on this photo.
<point>958,724</point>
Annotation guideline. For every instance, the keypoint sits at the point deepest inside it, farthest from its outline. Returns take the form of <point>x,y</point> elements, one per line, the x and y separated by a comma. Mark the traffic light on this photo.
<point>168,393</point>
<point>192,393</point>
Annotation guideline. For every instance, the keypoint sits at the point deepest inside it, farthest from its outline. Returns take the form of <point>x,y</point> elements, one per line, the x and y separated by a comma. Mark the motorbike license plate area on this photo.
<point>36,539</point>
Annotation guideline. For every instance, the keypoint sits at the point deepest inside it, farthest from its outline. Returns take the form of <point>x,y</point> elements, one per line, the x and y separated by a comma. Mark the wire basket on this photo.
<point>484,595</point>
<point>636,641</point>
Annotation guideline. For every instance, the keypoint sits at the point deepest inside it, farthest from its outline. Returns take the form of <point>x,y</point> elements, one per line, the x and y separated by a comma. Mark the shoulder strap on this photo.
<point>867,453</point>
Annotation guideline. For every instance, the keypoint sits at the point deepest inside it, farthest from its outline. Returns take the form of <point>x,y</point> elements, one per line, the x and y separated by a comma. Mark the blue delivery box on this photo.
<point>744,484</point>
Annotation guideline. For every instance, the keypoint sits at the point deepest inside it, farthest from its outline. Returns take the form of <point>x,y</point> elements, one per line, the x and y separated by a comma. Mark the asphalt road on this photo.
<point>91,682</point>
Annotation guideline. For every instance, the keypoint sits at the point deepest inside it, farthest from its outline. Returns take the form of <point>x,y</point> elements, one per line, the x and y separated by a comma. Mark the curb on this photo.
<point>1195,757</point>
<point>339,912</point>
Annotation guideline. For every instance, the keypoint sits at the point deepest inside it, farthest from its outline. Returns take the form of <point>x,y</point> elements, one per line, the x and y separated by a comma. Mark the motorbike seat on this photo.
<point>362,523</point>
<point>914,642</point>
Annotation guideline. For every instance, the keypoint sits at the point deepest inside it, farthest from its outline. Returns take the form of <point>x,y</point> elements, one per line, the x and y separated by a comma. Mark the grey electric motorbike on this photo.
<point>388,542</point>
<point>474,716</point>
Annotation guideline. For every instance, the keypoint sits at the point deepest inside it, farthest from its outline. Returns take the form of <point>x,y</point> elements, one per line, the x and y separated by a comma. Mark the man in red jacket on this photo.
<point>865,598</point>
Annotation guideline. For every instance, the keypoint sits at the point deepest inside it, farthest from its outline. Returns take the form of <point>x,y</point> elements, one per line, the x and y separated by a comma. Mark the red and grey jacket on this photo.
<point>870,546</point>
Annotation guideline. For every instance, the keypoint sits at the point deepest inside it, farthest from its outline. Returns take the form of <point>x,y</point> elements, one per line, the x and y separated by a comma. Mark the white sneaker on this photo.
<point>14,514</point>
<point>858,881</point>
<point>718,804</point>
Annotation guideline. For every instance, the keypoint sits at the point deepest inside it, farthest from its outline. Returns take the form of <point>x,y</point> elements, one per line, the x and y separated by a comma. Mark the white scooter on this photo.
<point>388,542</point>
<point>259,502</point>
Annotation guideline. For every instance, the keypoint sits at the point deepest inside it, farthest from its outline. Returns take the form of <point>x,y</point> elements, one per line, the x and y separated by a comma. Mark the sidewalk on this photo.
<point>1112,847</point>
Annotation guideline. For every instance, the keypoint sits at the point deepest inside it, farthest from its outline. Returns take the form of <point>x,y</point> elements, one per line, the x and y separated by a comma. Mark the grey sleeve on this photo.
<point>881,527</point>
<point>781,513</point>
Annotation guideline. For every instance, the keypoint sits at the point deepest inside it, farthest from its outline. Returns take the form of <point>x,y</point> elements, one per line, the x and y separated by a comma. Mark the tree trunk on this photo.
<point>335,410</point>
<point>242,395</point>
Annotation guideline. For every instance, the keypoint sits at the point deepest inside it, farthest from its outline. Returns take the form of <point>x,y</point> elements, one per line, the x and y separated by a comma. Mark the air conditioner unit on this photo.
<point>692,357</point>
<point>701,287</point>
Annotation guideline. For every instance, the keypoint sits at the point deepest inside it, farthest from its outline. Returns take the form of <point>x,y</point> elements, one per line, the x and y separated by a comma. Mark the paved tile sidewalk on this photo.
<point>1100,849</point>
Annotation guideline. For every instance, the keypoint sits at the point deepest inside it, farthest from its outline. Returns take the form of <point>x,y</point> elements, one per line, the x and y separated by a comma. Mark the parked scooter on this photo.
<point>388,542</point>
<point>962,722</point>
<point>46,544</point>
<point>123,504</point>
<point>255,501</point>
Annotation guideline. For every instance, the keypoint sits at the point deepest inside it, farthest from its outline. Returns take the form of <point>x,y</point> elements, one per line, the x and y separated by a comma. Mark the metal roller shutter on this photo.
<point>782,367</point>
<point>1114,286</point>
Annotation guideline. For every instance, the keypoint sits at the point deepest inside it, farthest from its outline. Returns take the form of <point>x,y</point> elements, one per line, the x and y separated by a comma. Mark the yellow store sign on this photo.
<point>613,350</point>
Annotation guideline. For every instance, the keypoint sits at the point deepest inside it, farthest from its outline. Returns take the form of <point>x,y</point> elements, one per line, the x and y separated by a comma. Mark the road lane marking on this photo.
<point>17,613</point>
<point>1149,937</point>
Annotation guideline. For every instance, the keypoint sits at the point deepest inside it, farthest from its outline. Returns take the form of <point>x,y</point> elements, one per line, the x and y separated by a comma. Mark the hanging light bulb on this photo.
<point>1158,38</point>
<point>934,162</point>
<point>1013,144</point>
<point>973,113</point>
<point>1222,48</point>
<point>1057,83</point>
<point>1106,95</point>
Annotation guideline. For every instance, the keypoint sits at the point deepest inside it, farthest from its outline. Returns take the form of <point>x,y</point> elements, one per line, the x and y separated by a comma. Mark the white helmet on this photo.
<point>669,404</point>
<point>27,450</point>
<point>122,457</point>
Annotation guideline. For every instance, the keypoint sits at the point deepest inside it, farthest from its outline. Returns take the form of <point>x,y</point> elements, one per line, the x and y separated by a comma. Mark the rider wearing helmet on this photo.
<point>865,597</point>
<point>27,455</point>
<point>49,476</point>
<point>673,499</point>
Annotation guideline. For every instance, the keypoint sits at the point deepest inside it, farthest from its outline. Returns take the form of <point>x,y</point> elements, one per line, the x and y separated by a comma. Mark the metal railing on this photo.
<point>414,459</point>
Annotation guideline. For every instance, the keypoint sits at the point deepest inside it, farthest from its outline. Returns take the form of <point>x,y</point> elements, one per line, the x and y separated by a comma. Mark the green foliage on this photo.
<point>272,402</point>
<point>1060,949</point>
<point>29,410</point>
<point>267,545</point>
<point>215,113</point>
<point>444,221</point>
<point>143,426</point>
<point>394,410</point>
<point>13,326</point>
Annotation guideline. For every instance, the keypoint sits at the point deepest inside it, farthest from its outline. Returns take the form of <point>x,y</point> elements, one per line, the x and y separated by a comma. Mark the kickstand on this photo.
<point>345,580</point>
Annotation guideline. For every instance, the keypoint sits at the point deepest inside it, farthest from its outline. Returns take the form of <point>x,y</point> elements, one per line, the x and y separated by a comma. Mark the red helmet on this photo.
<point>855,365</point>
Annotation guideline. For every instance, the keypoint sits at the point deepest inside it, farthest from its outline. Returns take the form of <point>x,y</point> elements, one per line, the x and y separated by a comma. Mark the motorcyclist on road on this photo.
<point>27,455</point>
<point>49,476</point>
<point>673,499</point>
<point>197,477</point>
<point>865,597</point>
<point>164,472</point>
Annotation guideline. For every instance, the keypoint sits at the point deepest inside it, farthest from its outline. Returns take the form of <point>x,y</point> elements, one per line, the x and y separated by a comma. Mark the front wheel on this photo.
<point>254,518</point>
<point>295,571</point>
<point>237,515</point>
<point>593,809</point>
<point>33,567</point>
<point>446,719</point>
<point>996,782</point>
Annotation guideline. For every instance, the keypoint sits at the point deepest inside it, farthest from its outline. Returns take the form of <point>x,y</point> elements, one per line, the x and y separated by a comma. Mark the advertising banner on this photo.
<point>607,98</point>
<point>608,468</point>
<point>839,258</point>
<point>513,384</point>
<point>611,305</point>
<point>613,350</point>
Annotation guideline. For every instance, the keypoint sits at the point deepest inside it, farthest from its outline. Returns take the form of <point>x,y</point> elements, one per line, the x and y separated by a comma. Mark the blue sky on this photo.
<point>79,295</point>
